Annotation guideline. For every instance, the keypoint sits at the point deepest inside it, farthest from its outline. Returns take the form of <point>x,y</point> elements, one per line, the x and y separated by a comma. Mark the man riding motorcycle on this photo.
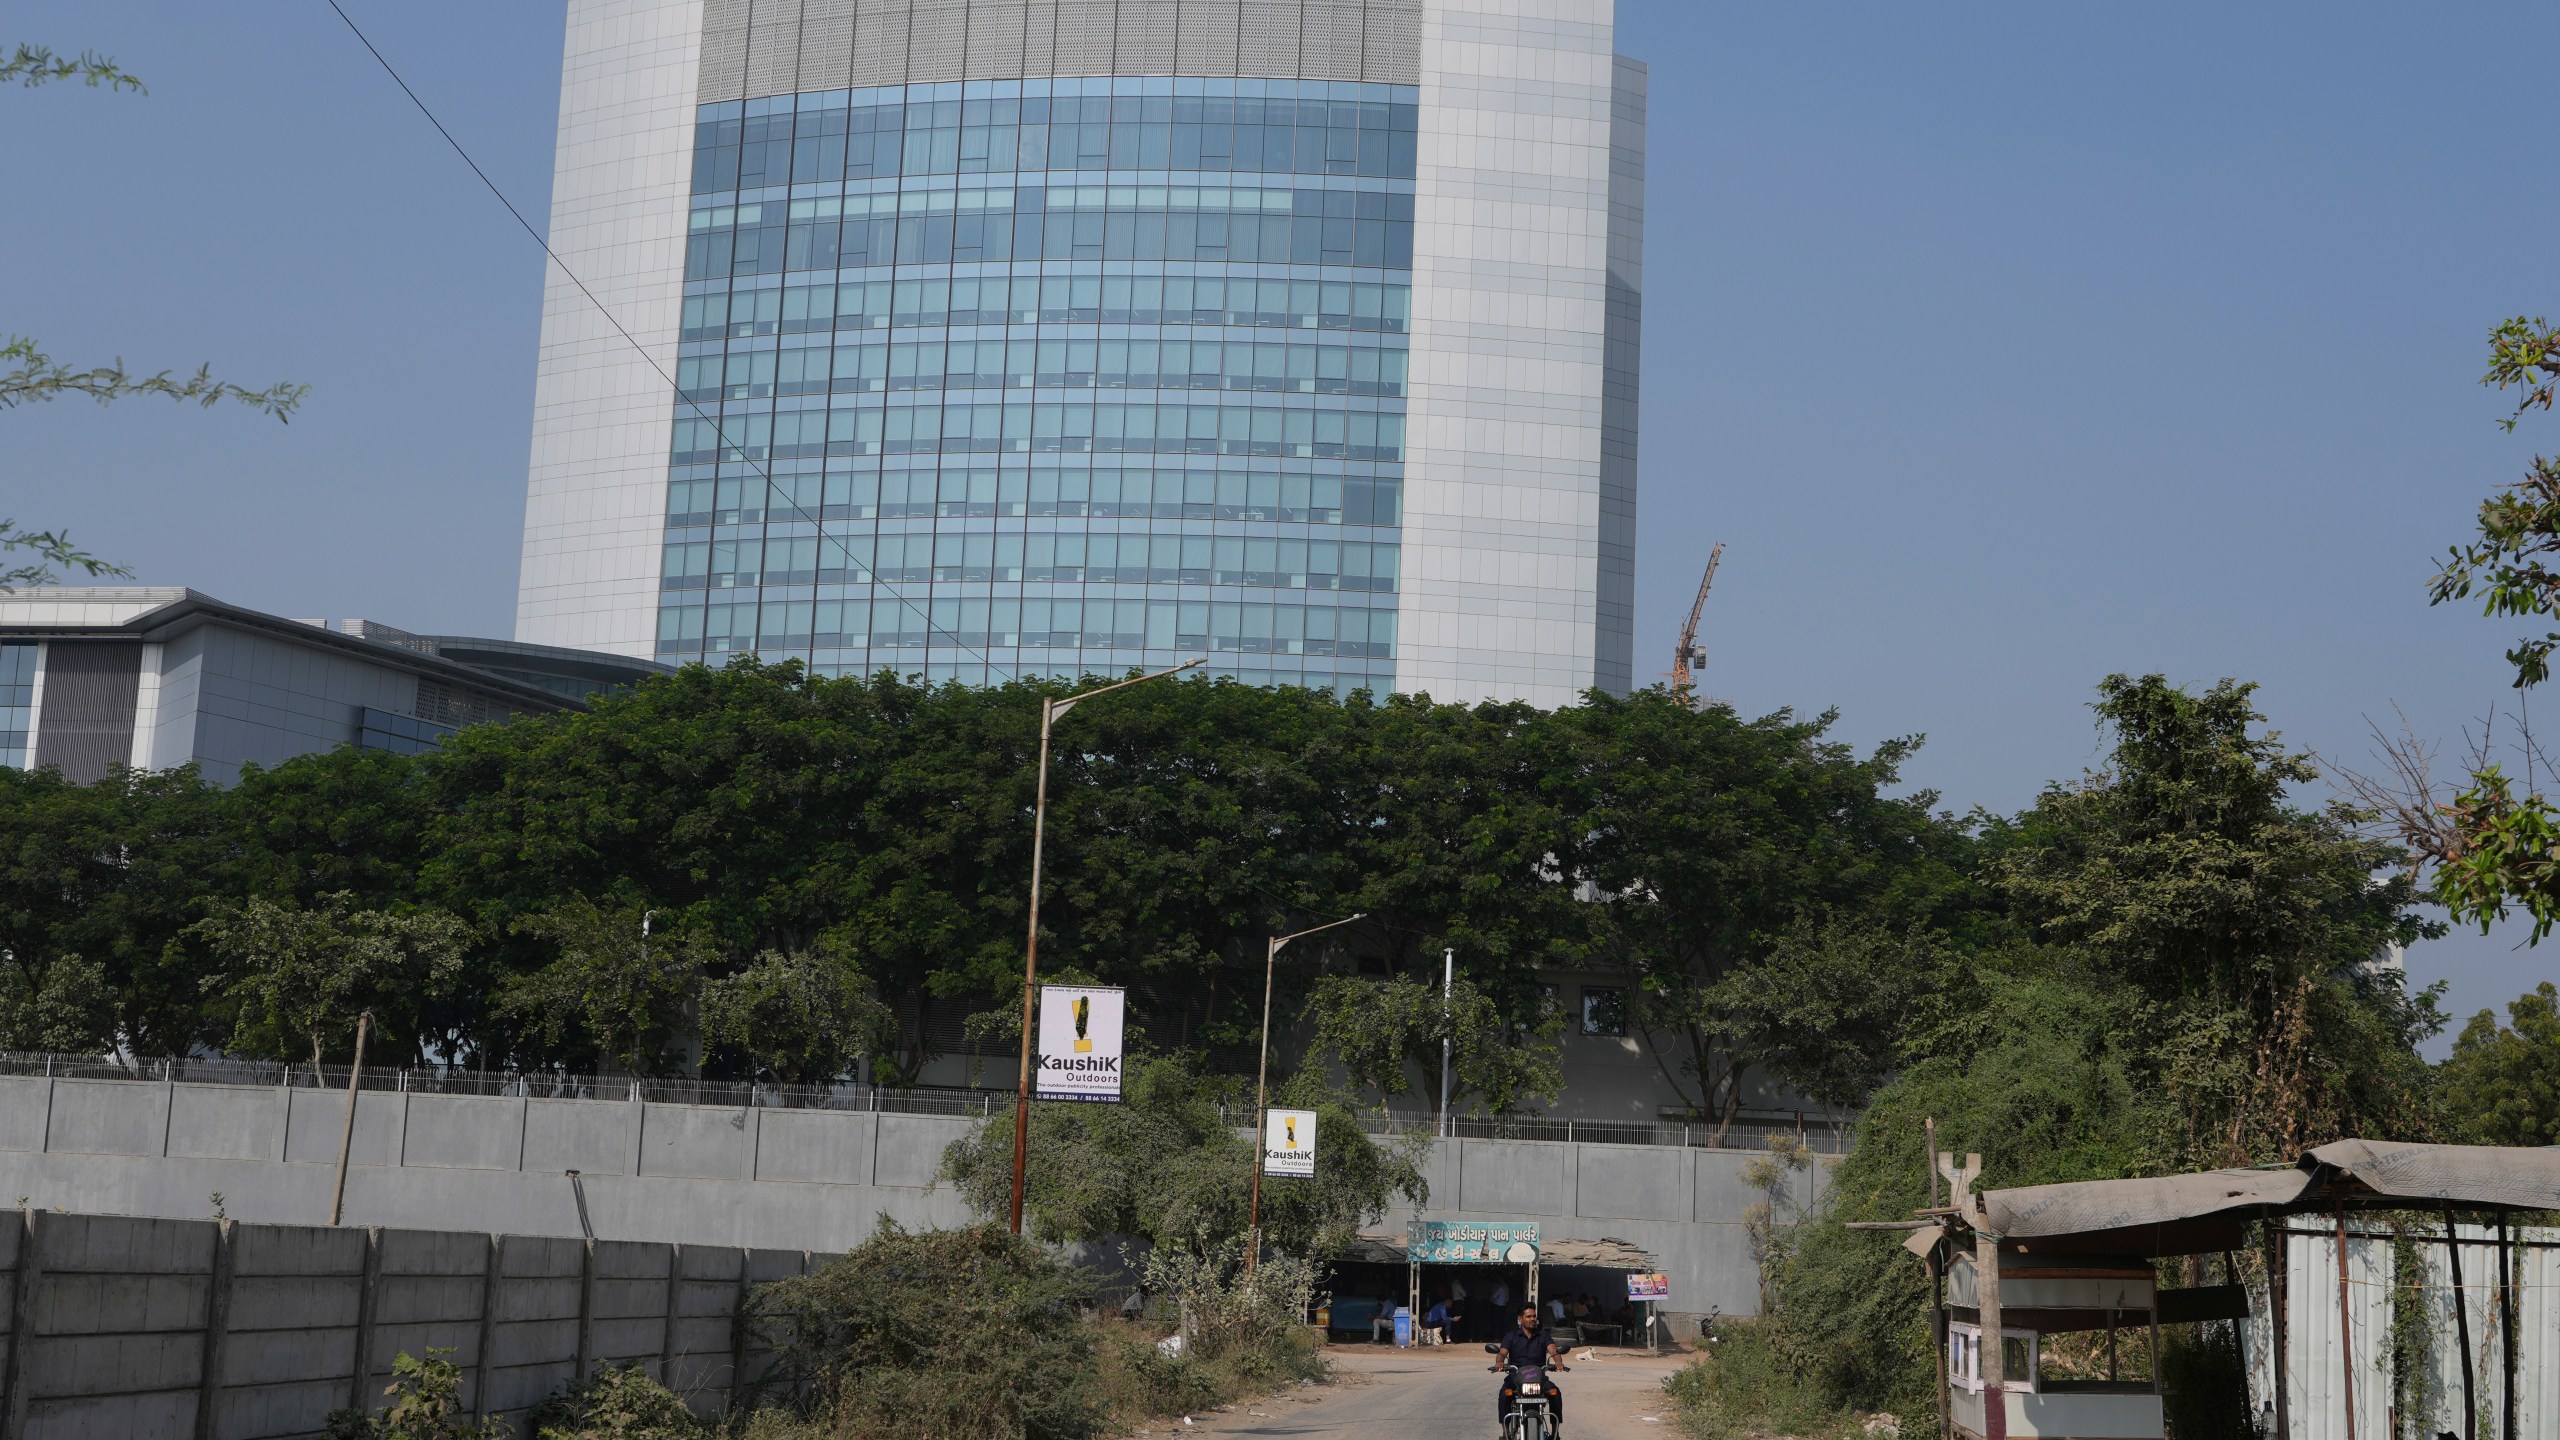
<point>1528,1345</point>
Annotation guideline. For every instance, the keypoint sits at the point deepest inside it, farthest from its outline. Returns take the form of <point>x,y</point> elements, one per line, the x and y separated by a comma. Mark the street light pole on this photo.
<point>1448,976</point>
<point>1262,1082</point>
<point>1050,710</point>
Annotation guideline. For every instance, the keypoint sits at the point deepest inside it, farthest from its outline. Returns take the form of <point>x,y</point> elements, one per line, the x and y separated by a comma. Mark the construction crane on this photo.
<point>1692,656</point>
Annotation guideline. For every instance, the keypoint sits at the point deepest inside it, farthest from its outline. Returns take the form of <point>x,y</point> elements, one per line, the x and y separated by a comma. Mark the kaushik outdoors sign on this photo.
<point>1471,1242</point>
<point>1289,1143</point>
<point>1079,1056</point>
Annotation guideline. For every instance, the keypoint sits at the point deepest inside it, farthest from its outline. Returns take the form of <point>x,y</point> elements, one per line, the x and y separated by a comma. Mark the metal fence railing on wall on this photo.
<point>1751,1131</point>
<point>538,1084</point>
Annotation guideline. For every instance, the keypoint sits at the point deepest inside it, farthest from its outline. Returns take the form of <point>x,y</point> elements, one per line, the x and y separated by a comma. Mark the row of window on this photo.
<point>1261,562</point>
<point>1304,367</point>
<point>775,240</point>
<point>982,623</point>
<point>1069,428</point>
<point>957,493</point>
<point>971,137</point>
<point>17,702</point>
<point>1050,300</point>
<point>1100,195</point>
<point>1340,676</point>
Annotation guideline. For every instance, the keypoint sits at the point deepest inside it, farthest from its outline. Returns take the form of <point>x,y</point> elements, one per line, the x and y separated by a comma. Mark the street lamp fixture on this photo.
<point>1262,1081</point>
<point>1050,710</point>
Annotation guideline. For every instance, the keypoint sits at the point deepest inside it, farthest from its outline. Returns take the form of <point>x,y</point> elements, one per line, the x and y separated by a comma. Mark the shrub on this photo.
<point>969,1334</point>
<point>426,1404</point>
<point>620,1402</point>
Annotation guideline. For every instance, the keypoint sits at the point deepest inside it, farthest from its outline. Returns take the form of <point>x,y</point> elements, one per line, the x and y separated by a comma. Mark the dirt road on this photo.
<point>1445,1393</point>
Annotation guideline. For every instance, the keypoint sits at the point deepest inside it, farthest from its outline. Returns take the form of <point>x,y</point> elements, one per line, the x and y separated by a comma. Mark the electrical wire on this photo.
<point>544,241</point>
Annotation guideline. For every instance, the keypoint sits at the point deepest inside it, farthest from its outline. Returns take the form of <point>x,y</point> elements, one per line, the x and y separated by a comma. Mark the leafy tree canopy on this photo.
<point>2501,1086</point>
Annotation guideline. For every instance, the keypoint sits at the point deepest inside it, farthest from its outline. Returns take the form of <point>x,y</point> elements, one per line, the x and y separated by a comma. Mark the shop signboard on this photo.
<point>1472,1242</point>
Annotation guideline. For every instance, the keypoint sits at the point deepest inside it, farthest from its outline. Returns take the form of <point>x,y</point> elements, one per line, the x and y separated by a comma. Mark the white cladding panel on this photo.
<point>595,501</point>
<point>1503,520</point>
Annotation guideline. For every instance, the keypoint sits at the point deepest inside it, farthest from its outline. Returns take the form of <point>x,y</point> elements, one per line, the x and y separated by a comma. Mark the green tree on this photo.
<point>802,1016</point>
<point>66,1007</point>
<point>1383,1032</point>
<point>2493,843</point>
<point>2267,929</point>
<point>1707,837</point>
<point>1170,1166</point>
<point>301,976</point>
<point>110,873</point>
<point>1824,1012</point>
<point>611,994</point>
<point>2502,1086</point>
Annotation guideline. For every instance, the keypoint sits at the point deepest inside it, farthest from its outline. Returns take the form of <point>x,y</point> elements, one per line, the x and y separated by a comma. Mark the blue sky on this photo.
<point>2005,346</point>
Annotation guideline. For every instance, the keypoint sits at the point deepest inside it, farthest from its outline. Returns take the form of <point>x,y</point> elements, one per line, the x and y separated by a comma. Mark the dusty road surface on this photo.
<point>1445,1393</point>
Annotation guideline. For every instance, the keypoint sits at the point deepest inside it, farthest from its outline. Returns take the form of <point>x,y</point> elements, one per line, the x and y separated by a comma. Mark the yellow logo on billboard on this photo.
<point>1292,1123</point>
<point>1084,1011</point>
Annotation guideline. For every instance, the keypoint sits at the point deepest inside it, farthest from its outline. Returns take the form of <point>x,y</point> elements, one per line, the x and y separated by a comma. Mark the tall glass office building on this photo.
<point>980,338</point>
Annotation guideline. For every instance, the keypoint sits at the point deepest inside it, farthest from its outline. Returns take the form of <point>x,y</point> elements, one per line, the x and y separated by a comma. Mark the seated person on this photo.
<point>1435,1322</point>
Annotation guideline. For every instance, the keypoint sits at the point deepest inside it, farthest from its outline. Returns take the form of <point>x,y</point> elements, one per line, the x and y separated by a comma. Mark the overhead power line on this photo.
<point>762,473</point>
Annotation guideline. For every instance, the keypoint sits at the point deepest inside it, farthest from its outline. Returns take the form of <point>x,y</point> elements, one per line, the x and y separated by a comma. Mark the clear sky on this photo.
<point>2005,346</point>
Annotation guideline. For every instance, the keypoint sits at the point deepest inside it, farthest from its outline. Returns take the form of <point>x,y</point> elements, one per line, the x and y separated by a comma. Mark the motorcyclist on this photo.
<point>1529,1345</point>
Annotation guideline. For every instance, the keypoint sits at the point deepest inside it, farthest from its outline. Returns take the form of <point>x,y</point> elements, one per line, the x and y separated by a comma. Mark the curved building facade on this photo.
<point>977,338</point>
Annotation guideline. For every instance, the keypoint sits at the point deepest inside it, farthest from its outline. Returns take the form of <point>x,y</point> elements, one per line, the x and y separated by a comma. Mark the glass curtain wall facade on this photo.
<point>985,338</point>
<point>1000,377</point>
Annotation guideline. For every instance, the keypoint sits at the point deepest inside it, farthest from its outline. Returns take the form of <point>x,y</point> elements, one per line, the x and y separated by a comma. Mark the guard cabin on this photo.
<point>2047,1302</point>
<point>2047,1296</point>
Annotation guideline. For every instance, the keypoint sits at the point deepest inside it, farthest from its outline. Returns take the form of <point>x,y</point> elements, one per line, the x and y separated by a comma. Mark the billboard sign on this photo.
<point>1079,1055</point>
<point>1289,1143</point>
<point>1648,1287</point>
<point>1471,1242</point>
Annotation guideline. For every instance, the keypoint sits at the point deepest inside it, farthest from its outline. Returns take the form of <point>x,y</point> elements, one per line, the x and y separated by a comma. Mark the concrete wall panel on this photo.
<point>1635,1182</point>
<point>1514,1177</point>
<point>591,1136</point>
<point>112,1417</point>
<point>466,1132</point>
<point>256,1412</point>
<point>697,1141</point>
<point>815,1145</point>
<point>224,1122</point>
<point>909,1149</point>
<point>108,1117</point>
<point>23,1112</point>
<point>320,1117</point>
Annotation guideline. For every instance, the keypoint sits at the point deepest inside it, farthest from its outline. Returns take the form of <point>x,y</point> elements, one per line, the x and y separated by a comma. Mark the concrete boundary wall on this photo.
<point>221,1330</point>
<point>752,1176</point>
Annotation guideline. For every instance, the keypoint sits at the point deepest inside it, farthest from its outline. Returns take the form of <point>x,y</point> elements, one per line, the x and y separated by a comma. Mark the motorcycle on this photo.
<point>1531,1398</point>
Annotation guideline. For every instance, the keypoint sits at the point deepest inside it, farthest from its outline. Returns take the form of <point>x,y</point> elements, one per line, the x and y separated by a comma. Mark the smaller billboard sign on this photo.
<point>1289,1143</point>
<point>1079,1055</point>
<point>1648,1287</point>
<point>1469,1242</point>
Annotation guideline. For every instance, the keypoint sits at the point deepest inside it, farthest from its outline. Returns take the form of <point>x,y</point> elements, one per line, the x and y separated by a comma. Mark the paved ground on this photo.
<point>1445,1393</point>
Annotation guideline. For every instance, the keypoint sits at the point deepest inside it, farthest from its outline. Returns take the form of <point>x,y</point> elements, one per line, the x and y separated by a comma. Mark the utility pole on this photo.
<point>1262,1083</point>
<point>1448,975</point>
<point>1050,710</point>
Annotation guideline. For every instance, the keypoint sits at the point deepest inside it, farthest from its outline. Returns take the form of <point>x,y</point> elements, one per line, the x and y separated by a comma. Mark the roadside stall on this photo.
<point>2019,1273</point>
